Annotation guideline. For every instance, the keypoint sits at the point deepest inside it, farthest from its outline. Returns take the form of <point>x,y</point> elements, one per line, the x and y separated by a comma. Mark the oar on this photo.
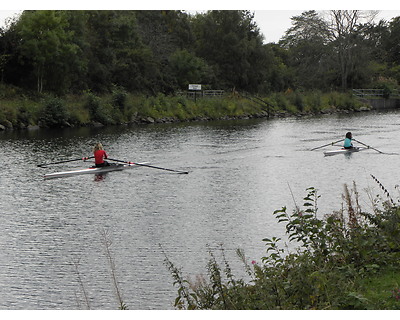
<point>368,146</point>
<point>64,161</point>
<point>147,165</point>
<point>325,145</point>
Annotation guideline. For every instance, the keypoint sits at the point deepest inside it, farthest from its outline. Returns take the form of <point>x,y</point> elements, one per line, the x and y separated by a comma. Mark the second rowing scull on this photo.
<point>343,151</point>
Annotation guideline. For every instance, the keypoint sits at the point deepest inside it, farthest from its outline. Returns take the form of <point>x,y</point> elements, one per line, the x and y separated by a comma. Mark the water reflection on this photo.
<point>100,176</point>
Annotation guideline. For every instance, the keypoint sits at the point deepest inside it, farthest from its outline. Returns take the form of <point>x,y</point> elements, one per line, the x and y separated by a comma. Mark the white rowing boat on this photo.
<point>91,170</point>
<point>343,151</point>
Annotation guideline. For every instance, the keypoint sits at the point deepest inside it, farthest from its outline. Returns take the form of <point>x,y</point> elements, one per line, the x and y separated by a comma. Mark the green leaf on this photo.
<point>281,210</point>
<point>177,301</point>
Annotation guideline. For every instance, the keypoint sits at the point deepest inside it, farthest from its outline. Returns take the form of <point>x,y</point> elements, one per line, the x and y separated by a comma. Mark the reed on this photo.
<point>383,189</point>
<point>107,246</point>
<point>107,243</point>
<point>76,263</point>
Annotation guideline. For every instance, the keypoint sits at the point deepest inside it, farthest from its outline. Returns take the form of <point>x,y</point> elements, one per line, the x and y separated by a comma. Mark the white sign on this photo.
<point>195,87</point>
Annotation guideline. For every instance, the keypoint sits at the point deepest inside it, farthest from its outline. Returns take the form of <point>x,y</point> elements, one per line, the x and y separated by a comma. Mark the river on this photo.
<point>52,231</point>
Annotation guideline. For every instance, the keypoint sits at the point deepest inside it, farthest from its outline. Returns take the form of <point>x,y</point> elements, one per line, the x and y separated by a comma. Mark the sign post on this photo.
<point>195,88</point>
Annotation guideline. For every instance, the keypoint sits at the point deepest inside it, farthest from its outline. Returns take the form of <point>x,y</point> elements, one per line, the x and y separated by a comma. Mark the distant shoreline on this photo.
<point>85,111</point>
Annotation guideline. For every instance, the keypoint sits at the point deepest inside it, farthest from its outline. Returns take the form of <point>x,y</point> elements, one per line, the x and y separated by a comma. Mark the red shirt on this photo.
<point>99,156</point>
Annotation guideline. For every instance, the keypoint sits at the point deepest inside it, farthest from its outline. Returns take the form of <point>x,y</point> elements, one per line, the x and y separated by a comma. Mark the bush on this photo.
<point>98,112</point>
<point>119,97</point>
<point>344,101</point>
<point>54,114</point>
<point>297,100</point>
<point>314,101</point>
<point>281,101</point>
<point>25,115</point>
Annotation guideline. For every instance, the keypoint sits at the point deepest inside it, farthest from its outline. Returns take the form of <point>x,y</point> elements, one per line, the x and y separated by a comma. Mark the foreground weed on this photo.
<point>332,256</point>
<point>107,243</point>
<point>185,299</point>
<point>76,263</point>
<point>396,294</point>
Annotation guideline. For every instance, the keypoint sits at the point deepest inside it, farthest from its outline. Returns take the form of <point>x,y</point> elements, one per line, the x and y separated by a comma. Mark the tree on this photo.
<point>115,52</point>
<point>280,76</point>
<point>8,45</point>
<point>371,62</point>
<point>392,43</point>
<point>4,55</point>
<point>187,68</point>
<point>230,42</point>
<point>344,28</point>
<point>46,43</point>
<point>308,46</point>
<point>329,48</point>
<point>164,32</point>
<point>308,27</point>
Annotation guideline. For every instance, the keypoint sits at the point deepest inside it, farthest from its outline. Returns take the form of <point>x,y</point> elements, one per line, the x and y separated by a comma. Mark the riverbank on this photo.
<point>21,110</point>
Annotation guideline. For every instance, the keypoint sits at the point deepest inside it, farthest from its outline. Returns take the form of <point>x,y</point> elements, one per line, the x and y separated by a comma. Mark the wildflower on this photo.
<point>253,262</point>
<point>396,294</point>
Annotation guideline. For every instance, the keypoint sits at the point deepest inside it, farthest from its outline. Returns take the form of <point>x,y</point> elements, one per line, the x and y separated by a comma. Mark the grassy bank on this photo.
<point>348,259</point>
<point>19,109</point>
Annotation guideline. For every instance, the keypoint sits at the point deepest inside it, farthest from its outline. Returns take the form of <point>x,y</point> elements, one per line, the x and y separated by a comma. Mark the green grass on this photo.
<point>20,108</point>
<point>383,289</point>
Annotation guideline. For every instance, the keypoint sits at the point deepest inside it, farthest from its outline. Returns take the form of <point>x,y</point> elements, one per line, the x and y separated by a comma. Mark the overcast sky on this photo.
<point>272,19</point>
<point>273,24</point>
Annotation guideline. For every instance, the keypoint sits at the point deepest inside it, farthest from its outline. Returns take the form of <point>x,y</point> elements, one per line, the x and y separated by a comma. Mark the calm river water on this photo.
<point>240,172</point>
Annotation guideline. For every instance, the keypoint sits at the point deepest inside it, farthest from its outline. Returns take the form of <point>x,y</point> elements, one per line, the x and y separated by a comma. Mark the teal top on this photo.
<point>347,143</point>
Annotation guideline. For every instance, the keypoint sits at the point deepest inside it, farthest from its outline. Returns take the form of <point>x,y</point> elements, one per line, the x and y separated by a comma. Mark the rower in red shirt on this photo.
<point>100,155</point>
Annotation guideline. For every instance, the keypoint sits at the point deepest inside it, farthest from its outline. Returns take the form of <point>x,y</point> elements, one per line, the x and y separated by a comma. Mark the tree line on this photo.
<point>150,52</point>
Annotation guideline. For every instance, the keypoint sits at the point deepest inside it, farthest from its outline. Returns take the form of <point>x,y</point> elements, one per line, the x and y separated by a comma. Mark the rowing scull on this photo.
<point>343,151</point>
<point>91,170</point>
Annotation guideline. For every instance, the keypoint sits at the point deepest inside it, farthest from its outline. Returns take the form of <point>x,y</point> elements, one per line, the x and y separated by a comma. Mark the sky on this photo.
<point>272,19</point>
<point>274,23</point>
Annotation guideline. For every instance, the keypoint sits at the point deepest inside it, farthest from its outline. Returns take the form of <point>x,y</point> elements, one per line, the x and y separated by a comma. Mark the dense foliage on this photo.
<point>153,52</point>
<point>346,260</point>
<point>142,51</point>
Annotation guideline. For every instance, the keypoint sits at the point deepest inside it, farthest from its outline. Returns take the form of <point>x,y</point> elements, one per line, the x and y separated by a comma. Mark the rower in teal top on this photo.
<point>347,141</point>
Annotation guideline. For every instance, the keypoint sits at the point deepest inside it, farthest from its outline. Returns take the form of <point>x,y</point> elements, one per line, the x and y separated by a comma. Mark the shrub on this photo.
<point>314,101</point>
<point>97,111</point>
<point>119,97</point>
<point>345,101</point>
<point>280,101</point>
<point>54,114</point>
<point>296,99</point>
<point>25,115</point>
